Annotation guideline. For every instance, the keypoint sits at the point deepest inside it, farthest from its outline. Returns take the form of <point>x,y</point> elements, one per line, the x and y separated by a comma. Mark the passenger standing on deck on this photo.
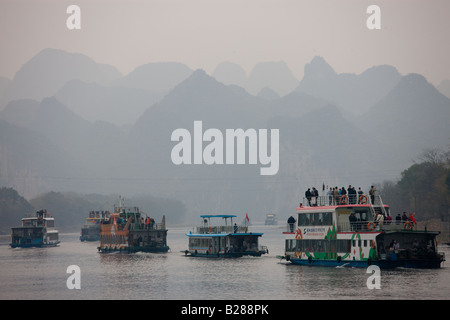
<point>308,196</point>
<point>398,219</point>
<point>353,221</point>
<point>360,193</point>
<point>380,219</point>
<point>372,194</point>
<point>404,217</point>
<point>291,222</point>
<point>343,193</point>
<point>336,195</point>
<point>315,194</point>
<point>330,196</point>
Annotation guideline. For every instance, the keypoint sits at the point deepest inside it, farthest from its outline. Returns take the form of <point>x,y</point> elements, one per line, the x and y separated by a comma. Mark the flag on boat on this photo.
<point>246,217</point>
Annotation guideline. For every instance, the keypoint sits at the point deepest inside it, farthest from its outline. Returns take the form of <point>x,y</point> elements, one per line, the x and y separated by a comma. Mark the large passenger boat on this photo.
<point>91,229</point>
<point>213,239</point>
<point>36,231</point>
<point>128,231</point>
<point>357,233</point>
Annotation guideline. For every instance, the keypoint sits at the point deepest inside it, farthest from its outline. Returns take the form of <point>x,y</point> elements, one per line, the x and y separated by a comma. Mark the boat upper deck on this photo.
<point>350,215</point>
<point>331,201</point>
<point>218,224</point>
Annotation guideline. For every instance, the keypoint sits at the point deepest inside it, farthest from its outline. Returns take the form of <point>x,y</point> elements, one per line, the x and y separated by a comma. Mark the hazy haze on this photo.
<point>204,33</point>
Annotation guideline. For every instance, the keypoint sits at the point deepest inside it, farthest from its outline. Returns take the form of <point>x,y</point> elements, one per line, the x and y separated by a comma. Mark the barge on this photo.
<point>128,231</point>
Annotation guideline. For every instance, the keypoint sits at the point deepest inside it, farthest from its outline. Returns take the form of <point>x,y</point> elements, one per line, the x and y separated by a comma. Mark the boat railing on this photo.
<point>331,200</point>
<point>359,226</point>
<point>143,226</point>
<point>221,229</point>
<point>367,226</point>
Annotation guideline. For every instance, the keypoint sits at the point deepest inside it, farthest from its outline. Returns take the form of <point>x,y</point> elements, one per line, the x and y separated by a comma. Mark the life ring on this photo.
<point>344,199</point>
<point>371,226</point>
<point>408,225</point>
<point>363,199</point>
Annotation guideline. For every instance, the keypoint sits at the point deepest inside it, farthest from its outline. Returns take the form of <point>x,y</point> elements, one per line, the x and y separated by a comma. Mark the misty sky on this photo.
<point>414,35</point>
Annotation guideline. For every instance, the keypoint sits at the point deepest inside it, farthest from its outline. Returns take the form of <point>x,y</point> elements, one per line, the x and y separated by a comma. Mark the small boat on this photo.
<point>212,239</point>
<point>36,231</point>
<point>127,231</point>
<point>339,232</point>
<point>271,219</point>
<point>91,229</point>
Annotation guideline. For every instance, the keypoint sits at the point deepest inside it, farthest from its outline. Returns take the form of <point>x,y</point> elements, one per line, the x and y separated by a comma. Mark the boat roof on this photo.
<point>209,235</point>
<point>218,216</point>
<point>321,208</point>
<point>36,218</point>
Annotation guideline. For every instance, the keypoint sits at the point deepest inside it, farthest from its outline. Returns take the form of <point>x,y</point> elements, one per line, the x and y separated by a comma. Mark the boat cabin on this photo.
<point>218,236</point>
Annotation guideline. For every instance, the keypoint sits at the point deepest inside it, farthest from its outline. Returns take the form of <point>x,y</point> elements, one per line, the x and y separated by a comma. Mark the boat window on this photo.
<point>315,219</point>
<point>317,245</point>
<point>200,242</point>
<point>50,223</point>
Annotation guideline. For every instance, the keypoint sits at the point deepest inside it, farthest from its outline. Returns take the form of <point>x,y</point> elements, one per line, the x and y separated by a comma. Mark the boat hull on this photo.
<point>135,249</point>
<point>34,245</point>
<point>382,264</point>
<point>225,255</point>
<point>90,237</point>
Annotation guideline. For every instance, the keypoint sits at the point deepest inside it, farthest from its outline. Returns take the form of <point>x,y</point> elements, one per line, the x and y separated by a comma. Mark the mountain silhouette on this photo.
<point>275,75</point>
<point>230,73</point>
<point>412,117</point>
<point>335,129</point>
<point>352,93</point>
<point>155,77</point>
<point>48,71</point>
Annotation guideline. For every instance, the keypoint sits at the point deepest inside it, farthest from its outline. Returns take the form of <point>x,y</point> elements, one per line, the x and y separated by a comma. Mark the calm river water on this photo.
<point>42,274</point>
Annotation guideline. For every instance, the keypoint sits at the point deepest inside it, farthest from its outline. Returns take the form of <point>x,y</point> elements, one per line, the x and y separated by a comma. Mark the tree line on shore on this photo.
<point>424,188</point>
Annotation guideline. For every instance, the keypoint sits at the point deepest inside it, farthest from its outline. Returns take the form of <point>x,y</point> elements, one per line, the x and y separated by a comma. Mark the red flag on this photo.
<point>246,217</point>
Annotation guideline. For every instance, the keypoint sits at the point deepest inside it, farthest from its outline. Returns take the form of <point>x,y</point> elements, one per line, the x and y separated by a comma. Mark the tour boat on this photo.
<point>338,232</point>
<point>225,239</point>
<point>271,219</point>
<point>91,229</point>
<point>36,231</point>
<point>127,231</point>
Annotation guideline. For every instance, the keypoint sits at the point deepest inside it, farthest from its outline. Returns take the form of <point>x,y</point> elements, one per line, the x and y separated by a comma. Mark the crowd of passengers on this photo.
<point>338,196</point>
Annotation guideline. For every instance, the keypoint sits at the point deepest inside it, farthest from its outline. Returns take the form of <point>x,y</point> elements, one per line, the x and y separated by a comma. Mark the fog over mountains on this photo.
<point>68,123</point>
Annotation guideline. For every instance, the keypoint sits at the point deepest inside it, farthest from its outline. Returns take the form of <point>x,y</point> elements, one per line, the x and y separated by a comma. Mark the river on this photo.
<point>41,274</point>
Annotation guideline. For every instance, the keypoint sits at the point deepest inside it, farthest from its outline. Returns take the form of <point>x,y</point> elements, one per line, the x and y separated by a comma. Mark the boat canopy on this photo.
<point>218,216</point>
<point>221,235</point>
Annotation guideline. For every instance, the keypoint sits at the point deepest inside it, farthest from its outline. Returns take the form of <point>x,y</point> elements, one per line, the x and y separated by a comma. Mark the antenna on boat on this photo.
<point>120,201</point>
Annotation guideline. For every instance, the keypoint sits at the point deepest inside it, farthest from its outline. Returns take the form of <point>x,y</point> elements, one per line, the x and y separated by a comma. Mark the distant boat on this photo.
<point>271,219</point>
<point>127,231</point>
<point>228,240</point>
<point>36,231</point>
<point>351,232</point>
<point>91,229</point>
